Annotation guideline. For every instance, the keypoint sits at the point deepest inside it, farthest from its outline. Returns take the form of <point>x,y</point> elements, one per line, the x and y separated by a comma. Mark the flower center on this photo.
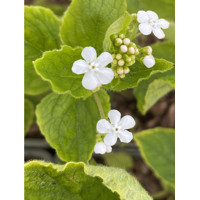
<point>153,23</point>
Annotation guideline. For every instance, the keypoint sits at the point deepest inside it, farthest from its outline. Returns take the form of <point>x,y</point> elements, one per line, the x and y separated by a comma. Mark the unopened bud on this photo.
<point>113,37</point>
<point>121,62</point>
<point>122,36</point>
<point>134,16</point>
<point>113,55</point>
<point>132,57</point>
<point>126,70</point>
<point>122,75</point>
<point>118,42</point>
<point>114,62</point>
<point>126,41</point>
<point>123,48</point>
<point>136,51</point>
<point>131,50</point>
<point>128,59</point>
<point>120,70</point>
<point>118,56</point>
<point>149,61</point>
<point>147,50</point>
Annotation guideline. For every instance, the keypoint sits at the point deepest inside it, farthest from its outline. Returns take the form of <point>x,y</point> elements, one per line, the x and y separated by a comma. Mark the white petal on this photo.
<point>105,75</point>
<point>104,59</point>
<point>90,81</point>
<point>89,54</point>
<point>152,15</point>
<point>142,16</point>
<point>145,28</point>
<point>110,139</point>
<point>108,149</point>
<point>127,122</point>
<point>80,67</point>
<point>100,148</point>
<point>114,116</point>
<point>103,126</point>
<point>163,23</point>
<point>125,136</point>
<point>158,33</point>
<point>149,61</point>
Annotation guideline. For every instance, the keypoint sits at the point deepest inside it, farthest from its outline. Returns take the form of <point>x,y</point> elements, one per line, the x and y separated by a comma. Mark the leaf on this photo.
<point>118,26</point>
<point>165,50</point>
<point>119,159</point>
<point>118,180</point>
<point>138,71</point>
<point>63,182</point>
<point>86,21</point>
<point>56,67</point>
<point>149,91</point>
<point>157,147</point>
<point>170,32</point>
<point>69,125</point>
<point>28,115</point>
<point>164,8</point>
<point>41,34</point>
<point>77,181</point>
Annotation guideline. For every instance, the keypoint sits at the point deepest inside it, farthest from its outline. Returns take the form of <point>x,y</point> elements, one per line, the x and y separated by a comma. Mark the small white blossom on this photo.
<point>117,128</point>
<point>127,41</point>
<point>149,61</point>
<point>149,22</point>
<point>101,148</point>
<point>95,70</point>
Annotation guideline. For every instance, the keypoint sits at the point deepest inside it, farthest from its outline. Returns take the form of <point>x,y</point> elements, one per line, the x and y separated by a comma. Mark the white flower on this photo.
<point>117,128</point>
<point>149,22</point>
<point>149,61</point>
<point>101,148</point>
<point>95,70</point>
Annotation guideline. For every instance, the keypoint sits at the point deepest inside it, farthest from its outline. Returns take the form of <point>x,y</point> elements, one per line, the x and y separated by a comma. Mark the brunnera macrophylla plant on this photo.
<point>77,59</point>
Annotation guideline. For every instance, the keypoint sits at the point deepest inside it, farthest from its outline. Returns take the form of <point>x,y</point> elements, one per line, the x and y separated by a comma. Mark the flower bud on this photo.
<point>128,59</point>
<point>113,37</point>
<point>126,41</point>
<point>131,50</point>
<point>120,70</point>
<point>114,62</point>
<point>132,57</point>
<point>122,36</point>
<point>126,70</point>
<point>147,50</point>
<point>118,42</point>
<point>122,75</point>
<point>123,48</point>
<point>134,16</point>
<point>149,61</point>
<point>121,62</point>
<point>118,56</point>
<point>130,63</point>
<point>113,55</point>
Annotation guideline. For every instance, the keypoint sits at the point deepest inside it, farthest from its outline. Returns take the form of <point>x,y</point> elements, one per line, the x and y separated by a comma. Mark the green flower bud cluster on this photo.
<point>124,56</point>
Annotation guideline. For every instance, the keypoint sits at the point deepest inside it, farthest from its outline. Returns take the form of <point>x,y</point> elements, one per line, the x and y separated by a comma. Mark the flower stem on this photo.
<point>98,101</point>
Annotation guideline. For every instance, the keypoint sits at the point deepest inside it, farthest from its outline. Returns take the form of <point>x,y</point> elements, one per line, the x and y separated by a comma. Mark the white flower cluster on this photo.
<point>116,128</point>
<point>95,70</point>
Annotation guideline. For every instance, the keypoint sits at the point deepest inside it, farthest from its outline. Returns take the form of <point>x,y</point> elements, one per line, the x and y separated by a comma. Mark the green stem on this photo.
<point>98,101</point>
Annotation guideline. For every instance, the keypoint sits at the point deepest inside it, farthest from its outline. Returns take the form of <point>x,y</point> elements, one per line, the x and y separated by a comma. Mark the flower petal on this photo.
<point>105,75</point>
<point>108,149</point>
<point>104,59</point>
<point>89,54</point>
<point>145,28</point>
<point>158,33</point>
<point>163,23</point>
<point>152,15</point>
<point>100,148</point>
<point>142,16</point>
<point>103,126</point>
<point>125,136</point>
<point>114,116</point>
<point>90,81</point>
<point>110,139</point>
<point>80,67</point>
<point>149,61</point>
<point>127,122</point>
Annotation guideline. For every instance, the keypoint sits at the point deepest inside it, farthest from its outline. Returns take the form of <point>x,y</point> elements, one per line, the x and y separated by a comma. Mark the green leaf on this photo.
<point>77,181</point>
<point>41,34</point>
<point>86,21</point>
<point>69,125</point>
<point>170,32</point>
<point>165,50</point>
<point>119,26</point>
<point>164,8</point>
<point>119,159</point>
<point>45,181</point>
<point>56,67</point>
<point>149,91</point>
<point>139,71</point>
<point>28,114</point>
<point>157,147</point>
<point>118,180</point>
